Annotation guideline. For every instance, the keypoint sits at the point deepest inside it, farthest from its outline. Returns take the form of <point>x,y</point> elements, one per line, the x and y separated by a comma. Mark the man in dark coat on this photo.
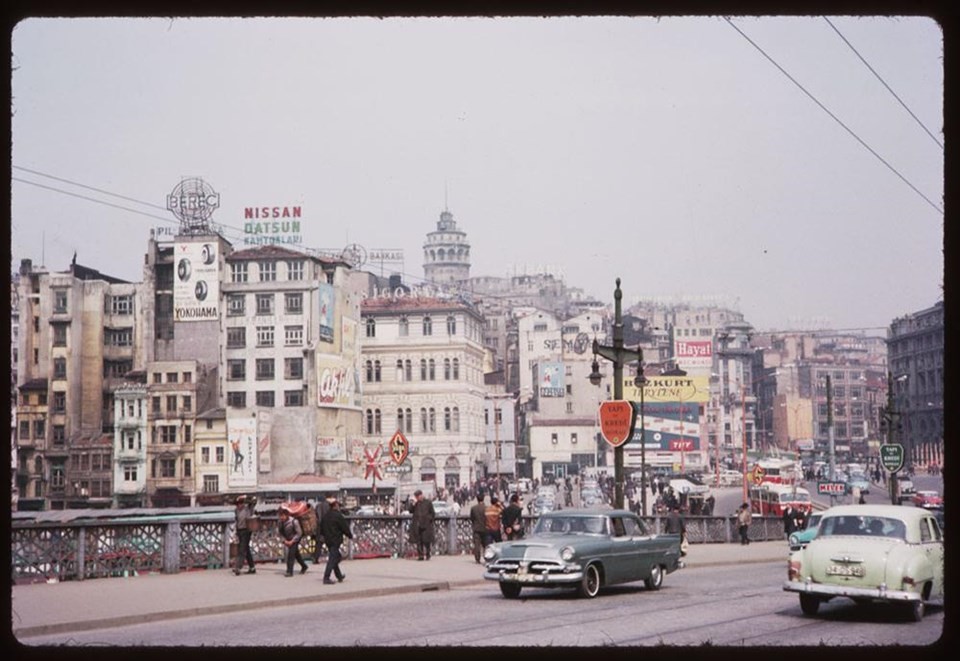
<point>291,532</point>
<point>243,514</point>
<point>478,522</point>
<point>421,525</point>
<point>512,518</point>
<point>334,526</point>
<point>322,508</point>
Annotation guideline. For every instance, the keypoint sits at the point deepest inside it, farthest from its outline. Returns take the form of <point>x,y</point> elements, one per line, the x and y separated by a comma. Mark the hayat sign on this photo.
<point>272,225</point>
<point>693,354</point>
<point>617,418</point>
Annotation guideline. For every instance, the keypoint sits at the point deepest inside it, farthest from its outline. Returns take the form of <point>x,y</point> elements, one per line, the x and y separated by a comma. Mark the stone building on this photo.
<point>446,253</point>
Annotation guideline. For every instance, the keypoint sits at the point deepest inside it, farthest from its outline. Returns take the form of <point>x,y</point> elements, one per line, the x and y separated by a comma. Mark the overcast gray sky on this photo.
<point>671,153</point>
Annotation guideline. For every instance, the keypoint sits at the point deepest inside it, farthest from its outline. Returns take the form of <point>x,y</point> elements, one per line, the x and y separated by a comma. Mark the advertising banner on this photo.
<point>693,354</point>
<point>669,389</point>
<point>325,310</point>
<point>331,449</point>
<point>242,435</point>
<point>338,382</point>
<point>551,380</point>
<point>196,282</point>
<point>264,423</point>
<point>669,426</point>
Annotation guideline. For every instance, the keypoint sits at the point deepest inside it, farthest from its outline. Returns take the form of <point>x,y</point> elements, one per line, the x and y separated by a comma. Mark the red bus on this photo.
<point>778,471</point>
<point>773,498</point>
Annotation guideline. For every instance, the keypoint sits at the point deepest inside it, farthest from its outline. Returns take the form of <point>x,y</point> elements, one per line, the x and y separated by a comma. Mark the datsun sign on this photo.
<point>617,419</point>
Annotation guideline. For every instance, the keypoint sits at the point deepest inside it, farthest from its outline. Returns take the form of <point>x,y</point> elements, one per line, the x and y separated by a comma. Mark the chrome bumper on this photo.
<point>550,574</point>
<point>830,590</point>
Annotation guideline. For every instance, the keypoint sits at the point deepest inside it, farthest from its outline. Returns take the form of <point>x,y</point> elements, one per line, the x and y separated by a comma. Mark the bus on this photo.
<point>778,471</point>
<point>773,498</point>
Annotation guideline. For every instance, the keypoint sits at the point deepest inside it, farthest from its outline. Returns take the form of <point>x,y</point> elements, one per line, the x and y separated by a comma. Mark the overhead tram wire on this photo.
<point>883,82</point>
<point>834,117</point>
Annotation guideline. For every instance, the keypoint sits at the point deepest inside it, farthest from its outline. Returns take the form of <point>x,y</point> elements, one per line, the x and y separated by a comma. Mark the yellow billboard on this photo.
<point>669,389</point>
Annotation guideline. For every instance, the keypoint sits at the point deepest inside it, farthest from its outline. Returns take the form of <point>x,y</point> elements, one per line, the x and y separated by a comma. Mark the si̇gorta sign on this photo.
<point>891,456</point>
<point>617,418</point>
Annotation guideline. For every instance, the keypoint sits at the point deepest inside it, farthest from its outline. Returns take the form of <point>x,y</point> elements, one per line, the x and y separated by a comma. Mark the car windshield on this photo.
<point>870,526</point>
<point>571,525</point>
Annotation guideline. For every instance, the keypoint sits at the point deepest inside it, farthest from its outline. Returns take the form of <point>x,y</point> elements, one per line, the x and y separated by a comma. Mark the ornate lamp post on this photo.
<point>619,356</point>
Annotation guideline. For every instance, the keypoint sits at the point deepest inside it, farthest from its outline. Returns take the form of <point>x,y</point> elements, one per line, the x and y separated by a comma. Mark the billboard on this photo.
<point>331,449</point>
<point>242,435</point>
<point>271,225</point>
<point>551,380</point>
<point>263,440</point>
<point>694,355</point>
<point>325,310</point>
<point>669,389</point>
<point>338,382</point>
<point>667,427</point>
<point>196,282</point>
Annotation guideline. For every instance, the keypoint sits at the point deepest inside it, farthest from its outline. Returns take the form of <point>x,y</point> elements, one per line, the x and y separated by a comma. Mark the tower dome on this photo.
<point>446,253</point>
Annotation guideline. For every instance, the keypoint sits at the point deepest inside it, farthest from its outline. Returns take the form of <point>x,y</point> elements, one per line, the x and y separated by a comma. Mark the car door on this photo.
<point>931,540</point>
<point>623,550</point>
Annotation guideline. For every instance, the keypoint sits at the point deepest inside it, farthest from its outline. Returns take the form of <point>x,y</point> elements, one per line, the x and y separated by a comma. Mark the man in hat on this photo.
<point>421,526</point>
<point>242,515</point>
<point>291,532</point>
<point>512,518</point>
<point>322,508</point>
<point>478,522</point>
<point>334,526</point>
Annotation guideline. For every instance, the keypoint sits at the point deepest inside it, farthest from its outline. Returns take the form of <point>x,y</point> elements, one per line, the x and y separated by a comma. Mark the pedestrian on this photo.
<point>801,519</point>
<point>789,521</point>
<point>492,515</point>
<point>242,515</point>
<point>322,508</point>
<point>334,526</point>
<point>675,525</point>
<point>421,525</point>
<point>708,505</point>
<point>744,518</point>
<point>512,518</point>
<point>291,532</point>
<point>478,522</point>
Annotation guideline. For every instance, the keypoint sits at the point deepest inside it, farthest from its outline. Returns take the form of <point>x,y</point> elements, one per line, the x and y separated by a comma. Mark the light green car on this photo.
<point>871,553</point>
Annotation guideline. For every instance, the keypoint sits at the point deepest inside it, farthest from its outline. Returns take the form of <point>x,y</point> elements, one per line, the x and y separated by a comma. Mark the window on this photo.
<point>293,368</point>
<point>399,370</point>
<point>368,371</point>
<point>376,371</point>
<point>569,407</point>
<point>423,369</point>
<point>264,303</point>
<point>427,326</point>
<point>265,398</point>
<point>187,402</point>
<point>236,337</point>
<point>407,370</point>
<point>408,421</point>
<point>404,327</point>
<point>264,336</point>
<point>168,433</point>
<point>211,483</point>
<point>456,369</point>
<point>236,370</point>
<point>432,420</point>
<point>188,377</point>
<point>59,335</point>
<point>59,434</point>
<point>293,303</point>
<point>400,419</point>
<point>116,368</point>
<point>157,377</point>
<point>268,271</point>
<point>373,421</point>
<point>84,462</point>
<point>204,455</point>
<point>553,438</point>
<point>59,368</point>
<point>171,403</point>
<point>293,336</point>
<point>446,369</point>
<point>118,337</point>
<point>59,401</point>
<point>432,369</point>
<point>172,377</point>
<point>265,369</point>
<point>155,405</point>
<point>42,398</point>
<point>371,327</point>
<point>220,453</point>
<point>293,397</point>
<point>573,438</point>
<point>187,467</point>
<point>40,429</point>
<point>451,325</point>
<point>538,328</point>
<point>295,270</point>
<point>423,420</point>
<point>168,468</point>
<point>130,473</point>
<point>237,400</point>
<point>456,418</point>
<point>60,301</point>
<point>236,305</point>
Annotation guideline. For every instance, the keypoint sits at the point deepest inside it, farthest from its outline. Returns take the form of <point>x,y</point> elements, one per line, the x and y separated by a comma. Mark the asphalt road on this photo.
<point>719,606</point>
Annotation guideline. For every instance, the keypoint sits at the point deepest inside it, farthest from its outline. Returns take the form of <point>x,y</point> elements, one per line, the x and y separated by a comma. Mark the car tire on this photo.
<point>809,604</point>
<point>915,610</point>
<point>590,583</point>
<point>510,590</point>
<point>656,578</point>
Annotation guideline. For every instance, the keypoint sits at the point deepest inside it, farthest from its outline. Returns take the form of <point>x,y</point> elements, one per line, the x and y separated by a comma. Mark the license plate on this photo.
<point>523,578</point>
<point>846,570</point>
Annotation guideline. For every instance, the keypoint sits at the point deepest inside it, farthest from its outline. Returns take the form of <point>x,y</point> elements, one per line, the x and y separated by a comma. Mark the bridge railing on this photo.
<point>100,549</point>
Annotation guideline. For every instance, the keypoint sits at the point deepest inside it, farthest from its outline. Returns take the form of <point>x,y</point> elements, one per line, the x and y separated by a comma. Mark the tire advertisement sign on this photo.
<point>338,382</point>
<point>196,282</point>
<point>242,435</point>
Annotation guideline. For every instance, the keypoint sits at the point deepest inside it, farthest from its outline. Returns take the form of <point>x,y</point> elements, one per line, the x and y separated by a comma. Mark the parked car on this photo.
<point>906,488</point>
<point>583,549</point>
<point>871,553</point>
<point>800,538</point>
<point>730,478</point>
<point>927,499</point>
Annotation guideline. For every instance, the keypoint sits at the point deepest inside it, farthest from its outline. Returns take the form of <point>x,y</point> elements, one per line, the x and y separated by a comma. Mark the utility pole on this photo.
<point>619,356</point>
<point>833,457</point>
<point>891,419</point>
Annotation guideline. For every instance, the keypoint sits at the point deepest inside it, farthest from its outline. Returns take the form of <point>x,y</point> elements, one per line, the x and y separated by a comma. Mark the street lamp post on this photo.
<point>641,382</point>
<point>619,356</point>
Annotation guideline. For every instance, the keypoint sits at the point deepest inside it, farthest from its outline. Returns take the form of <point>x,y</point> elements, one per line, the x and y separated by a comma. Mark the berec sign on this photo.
<point>617,419</point>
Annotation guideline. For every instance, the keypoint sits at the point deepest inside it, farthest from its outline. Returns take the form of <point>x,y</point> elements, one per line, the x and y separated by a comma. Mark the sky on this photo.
<point>789,167</point>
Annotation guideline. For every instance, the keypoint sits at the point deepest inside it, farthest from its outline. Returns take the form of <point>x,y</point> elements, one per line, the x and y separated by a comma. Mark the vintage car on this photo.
<point>583,549</point>
<point>871,553</point>
<point>800,538</point>
<point>857,480</point>
<point>927,499</point>
<point>906,488</point>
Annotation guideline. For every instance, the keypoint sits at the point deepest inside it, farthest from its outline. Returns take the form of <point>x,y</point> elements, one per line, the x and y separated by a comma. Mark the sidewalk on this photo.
<point>43,608</point>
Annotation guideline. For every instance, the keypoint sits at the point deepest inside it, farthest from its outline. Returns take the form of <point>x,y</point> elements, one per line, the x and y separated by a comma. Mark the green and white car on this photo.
<point>583,549</point>
<point>871,553</point>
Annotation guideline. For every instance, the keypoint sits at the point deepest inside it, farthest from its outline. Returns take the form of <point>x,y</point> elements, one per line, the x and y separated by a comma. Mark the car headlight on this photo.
<point>794,540</point>
<point>490,553</point>
<point>567,553</point>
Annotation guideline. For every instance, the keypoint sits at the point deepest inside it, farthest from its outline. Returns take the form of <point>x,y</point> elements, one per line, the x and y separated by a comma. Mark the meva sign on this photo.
<point>617,420</point>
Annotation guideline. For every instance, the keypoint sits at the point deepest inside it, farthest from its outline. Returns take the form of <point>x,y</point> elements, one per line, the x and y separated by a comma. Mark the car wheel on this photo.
<point>590,584</point>
<point>809,604</point>
<point>656,578</point>
<point>915,610</point>
<point>510,590</point>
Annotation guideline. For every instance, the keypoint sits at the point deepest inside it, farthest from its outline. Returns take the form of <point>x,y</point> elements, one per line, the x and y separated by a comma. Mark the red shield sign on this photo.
<point>617,418</point>
<point>399,447</point>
